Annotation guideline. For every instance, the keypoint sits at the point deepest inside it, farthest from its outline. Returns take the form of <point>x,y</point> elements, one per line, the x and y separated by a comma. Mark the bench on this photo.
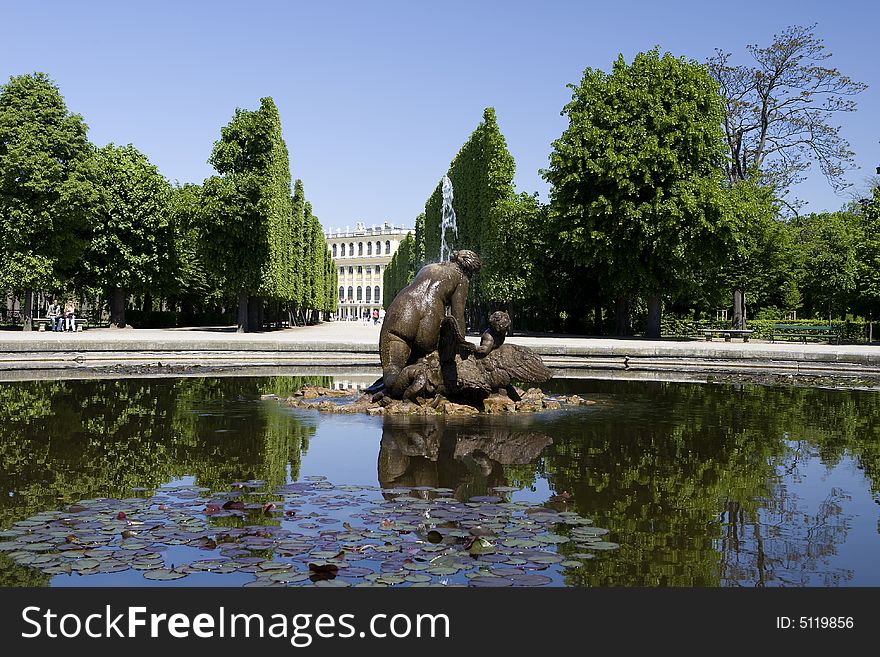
<point>802,332</point>
<point>727,334</point>
<point>79,323</point>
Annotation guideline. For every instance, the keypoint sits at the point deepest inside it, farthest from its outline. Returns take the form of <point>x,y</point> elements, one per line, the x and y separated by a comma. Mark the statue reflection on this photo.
<point>466,455</point>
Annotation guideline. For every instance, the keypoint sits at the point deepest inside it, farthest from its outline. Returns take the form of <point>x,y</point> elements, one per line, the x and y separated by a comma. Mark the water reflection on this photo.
<point>467,456</point>
<point>701,485</point>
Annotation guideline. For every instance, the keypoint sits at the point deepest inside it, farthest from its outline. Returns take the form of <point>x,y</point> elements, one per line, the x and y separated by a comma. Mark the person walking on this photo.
<point>375,316</point>
<point>70,314</point>
<point>53,314</point>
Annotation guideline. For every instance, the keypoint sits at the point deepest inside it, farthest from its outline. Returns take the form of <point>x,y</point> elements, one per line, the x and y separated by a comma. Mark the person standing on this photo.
<point>70,314</point>
<point>53,314</point>
<point>375,316</point>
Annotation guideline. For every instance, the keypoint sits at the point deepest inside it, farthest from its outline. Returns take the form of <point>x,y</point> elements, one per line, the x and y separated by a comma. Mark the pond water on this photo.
<point>204,481</point>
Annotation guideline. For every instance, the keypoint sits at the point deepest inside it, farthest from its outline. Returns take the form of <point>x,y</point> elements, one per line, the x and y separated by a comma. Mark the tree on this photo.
<point>778,113</point>
<point>43,196</point>
<point>829,242</point>
<point>482,176</point>
<point>131,239</point>
<point>190,282</point>
<point>868,258</point>
<point>636,179</point>
<point>248,229</point>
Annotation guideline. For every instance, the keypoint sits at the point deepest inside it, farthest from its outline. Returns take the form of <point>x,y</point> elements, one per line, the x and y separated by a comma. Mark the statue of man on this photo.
<point>412,323</point>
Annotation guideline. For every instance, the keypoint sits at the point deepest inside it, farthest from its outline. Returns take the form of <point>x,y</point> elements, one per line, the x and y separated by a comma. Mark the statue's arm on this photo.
<point>486,344</point>
<point>459,298</point>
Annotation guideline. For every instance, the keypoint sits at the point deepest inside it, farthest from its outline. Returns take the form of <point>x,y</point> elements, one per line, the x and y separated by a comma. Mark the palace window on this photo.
<point>351,249</point>
<point>360,293</point>
<point>369,248</point>
<point>376,294</point>
<point>360,269</point>
<point>334,250</point>
<point>341,293</point>
<point>387,247</point>
<point>360,248</point>
<point>368,294</point>
<point>350,293</point>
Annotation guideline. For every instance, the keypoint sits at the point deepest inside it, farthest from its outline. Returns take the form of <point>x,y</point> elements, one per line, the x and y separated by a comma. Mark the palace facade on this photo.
<point>360,256</point>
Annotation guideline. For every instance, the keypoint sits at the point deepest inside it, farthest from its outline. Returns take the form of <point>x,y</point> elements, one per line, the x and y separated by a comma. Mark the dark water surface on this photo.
<point>698,484</point>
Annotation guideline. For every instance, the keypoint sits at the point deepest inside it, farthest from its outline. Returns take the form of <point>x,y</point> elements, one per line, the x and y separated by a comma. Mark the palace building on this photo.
<point>361,256</point>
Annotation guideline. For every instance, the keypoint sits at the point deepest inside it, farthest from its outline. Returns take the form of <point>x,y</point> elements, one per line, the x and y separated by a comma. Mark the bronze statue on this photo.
<point>412,323</point>
<point>493,337</point>
<point>424,353</point>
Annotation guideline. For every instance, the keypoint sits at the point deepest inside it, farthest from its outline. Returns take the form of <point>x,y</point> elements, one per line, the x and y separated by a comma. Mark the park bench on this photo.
<point>79,323</point>
<point>801,332</point>
<point>727,334</point>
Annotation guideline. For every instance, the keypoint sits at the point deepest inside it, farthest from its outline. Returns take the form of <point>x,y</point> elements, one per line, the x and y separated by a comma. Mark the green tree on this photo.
<point>248,229</point>
<point>765,260</point>
<point>191,285</point>
<point>484,198</point>
<point>131,239</point>
<point>401,270</point>
<point>829,242</point>
<point>868,258</point>
<point>636,179</point>
<point>43,196</point>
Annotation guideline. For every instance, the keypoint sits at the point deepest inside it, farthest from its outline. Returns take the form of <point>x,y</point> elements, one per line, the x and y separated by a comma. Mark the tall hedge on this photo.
<point>400,271</point>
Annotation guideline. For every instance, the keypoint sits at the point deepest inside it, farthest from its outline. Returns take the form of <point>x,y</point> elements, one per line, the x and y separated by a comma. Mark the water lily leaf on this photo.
<point>163,574</point>
<point>289,577</point>
<point>552,538</point>
<point>531,580</point>
<point>484,580</point>
<point>601,545</point>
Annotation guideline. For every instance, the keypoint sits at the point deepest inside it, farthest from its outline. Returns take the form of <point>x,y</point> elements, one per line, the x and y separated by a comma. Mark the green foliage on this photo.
<point>401,270</point>
<point>637,195</point>
<point>828,243</point>
<point>131,237</point>
<point>190,278</point>
<point>43,196</point>
<point>850,330</point>
<point>484,200</point>
<point>248,227</point>
<point>868,258</point>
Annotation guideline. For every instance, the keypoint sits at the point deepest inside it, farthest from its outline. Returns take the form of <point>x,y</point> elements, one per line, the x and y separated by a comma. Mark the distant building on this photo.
<point>360,256</point>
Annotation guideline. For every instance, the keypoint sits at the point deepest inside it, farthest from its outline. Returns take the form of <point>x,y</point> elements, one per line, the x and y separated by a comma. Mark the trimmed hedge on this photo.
<point>850,330</point>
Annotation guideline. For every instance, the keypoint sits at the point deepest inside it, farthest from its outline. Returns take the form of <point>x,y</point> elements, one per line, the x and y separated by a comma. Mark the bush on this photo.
<point>851,330</point>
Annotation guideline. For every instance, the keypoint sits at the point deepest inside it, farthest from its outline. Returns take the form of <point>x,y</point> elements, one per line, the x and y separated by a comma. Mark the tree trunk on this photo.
<point>654,306</point>
<point>622,317</point>
<point>254,314</point>
<point>28,310</point>
<point>739,320</point>
<point>148,303</point>
<point>242,312</point>
<point>117,307</point>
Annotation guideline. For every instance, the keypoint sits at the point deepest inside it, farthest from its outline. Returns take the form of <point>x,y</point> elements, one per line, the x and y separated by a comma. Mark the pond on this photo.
<point>216,481</point>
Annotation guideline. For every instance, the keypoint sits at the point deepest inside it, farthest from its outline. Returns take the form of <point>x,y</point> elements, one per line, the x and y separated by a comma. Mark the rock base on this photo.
<point>532,400</point>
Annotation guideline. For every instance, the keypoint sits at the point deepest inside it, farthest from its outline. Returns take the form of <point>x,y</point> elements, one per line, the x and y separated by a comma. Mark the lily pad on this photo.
<point>163,574</point>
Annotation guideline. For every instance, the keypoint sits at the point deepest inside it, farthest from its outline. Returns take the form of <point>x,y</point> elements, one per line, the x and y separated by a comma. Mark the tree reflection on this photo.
<point>62,441</point>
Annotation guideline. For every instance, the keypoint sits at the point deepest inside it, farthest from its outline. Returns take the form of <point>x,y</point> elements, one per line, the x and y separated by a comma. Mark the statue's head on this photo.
<point>499,321</point>
<point>468,261</point>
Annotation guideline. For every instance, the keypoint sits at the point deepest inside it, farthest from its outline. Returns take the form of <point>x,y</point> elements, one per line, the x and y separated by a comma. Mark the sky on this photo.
<point>376,98</point>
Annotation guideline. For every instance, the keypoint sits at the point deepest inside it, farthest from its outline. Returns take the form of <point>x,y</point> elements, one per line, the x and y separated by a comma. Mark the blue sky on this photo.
<point>377,97</point>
